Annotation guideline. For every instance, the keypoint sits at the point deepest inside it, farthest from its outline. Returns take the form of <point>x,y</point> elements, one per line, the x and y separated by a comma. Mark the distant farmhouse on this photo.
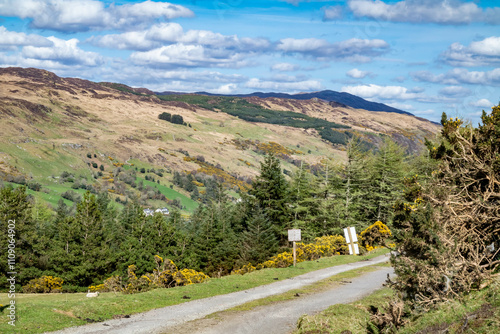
<point>150,212</point>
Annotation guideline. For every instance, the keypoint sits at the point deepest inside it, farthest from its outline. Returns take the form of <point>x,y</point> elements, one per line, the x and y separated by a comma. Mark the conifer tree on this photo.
<point>270,191</point>
<point>15,208</point>
<point>258,242</point>
<point>354,178</point>
<point>385,181</point>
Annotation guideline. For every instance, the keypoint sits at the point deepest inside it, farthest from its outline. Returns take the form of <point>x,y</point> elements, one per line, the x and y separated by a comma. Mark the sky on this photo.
<point>422,56</point>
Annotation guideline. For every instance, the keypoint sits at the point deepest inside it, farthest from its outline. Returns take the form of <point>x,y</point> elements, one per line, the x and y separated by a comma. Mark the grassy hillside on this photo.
<point>52,125</point>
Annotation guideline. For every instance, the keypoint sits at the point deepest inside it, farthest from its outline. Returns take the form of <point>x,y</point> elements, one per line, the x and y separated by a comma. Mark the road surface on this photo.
<point>172,319</point>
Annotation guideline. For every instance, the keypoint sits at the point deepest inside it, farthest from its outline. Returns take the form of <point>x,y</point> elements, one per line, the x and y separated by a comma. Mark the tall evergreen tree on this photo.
<point>354,175</point>
<point>385,182</point>
<point>258,242</point>
<point>270,190</point>
<point>15,209</point>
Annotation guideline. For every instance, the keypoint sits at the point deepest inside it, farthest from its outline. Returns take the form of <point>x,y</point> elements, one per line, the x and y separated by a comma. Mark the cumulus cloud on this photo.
<point>189,56</point>
<point>62,51</point>
<point>459,76</point>
<point>424,11</point>
<point>331,13</point>
<point>480,53</point>
<point>482,103</point>
<point>289,87</point>
<point>84,15</point>
<point>354,49</point>
<point>382,92</point>
<point>10,39</point>
<point>170,33</point>
<point>357,74</point>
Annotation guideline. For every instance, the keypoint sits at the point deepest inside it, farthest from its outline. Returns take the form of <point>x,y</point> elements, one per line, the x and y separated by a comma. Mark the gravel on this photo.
<point>162,319</point>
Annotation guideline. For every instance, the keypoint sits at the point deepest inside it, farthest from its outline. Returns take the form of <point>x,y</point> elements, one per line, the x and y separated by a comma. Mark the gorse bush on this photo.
<point>165,275</point>
<point>44,284</point>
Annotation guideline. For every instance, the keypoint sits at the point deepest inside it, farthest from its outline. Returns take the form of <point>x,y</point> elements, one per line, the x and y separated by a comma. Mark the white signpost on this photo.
<point>351,238</point>
<point>294,235</point>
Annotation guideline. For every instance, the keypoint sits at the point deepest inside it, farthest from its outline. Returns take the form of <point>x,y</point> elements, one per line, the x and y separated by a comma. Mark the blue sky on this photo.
<point>422,56</point>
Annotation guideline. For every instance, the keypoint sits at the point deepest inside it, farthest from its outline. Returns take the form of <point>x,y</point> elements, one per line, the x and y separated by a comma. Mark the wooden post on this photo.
<point>351,239</point>
<point>294,254</point>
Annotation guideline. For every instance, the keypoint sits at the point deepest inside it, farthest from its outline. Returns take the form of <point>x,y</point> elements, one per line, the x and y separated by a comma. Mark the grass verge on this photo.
<point>478,312</point>
<point>38,313</point>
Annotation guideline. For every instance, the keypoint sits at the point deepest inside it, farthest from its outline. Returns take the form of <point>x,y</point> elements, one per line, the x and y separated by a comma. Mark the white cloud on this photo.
<point>64,52</point>
<point>455,91</point>
<point>224,89</point>
<point>357,74</point>
<point>171,33</point>
<point>480,53</point>
<point>84,15</point>
<point>382,92</point>
<point>289,87</point>
<point>284,67</point>
<point>331,13</point>
<point>189,56</point>
<point>459,76</point>
<point>13,39</point>
<point>159,79</point>
<point>482,103</point>
<point>354,49</point>
<point>424,11</point>
<point>424,112</point>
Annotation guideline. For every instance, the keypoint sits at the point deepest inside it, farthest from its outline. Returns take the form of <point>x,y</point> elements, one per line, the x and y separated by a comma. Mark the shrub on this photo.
<point>35,186</point>
<point>44,284</point>
<point>165,116</point>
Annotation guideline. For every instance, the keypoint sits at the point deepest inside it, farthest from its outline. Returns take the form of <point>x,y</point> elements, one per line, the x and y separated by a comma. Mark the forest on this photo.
<point>90,241</point>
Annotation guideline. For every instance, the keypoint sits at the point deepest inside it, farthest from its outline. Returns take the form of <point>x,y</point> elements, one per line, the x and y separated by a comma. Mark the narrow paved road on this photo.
<point>163,319</point>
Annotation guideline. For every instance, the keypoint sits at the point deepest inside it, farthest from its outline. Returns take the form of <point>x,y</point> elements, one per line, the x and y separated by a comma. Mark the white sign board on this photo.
<point>348,233</point>
<point>353,233</point>
<point>356,249</point>
<point>294,235</point>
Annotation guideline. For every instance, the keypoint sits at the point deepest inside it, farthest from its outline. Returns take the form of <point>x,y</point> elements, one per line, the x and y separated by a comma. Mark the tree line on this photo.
<point>90,241</point>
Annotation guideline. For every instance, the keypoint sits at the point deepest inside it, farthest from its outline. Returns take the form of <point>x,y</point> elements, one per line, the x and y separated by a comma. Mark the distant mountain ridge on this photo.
<point>347,99</point>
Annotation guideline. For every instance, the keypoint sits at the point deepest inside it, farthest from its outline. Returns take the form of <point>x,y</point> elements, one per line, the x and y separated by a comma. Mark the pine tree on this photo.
<point>385,181</point>
<point>352,190</point>
<point>270,190</point>
<point>94,258</point>
<point>258,242</point>
<point>15,209</point>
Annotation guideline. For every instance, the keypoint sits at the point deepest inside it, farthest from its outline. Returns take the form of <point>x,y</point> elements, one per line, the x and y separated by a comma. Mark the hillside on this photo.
<point>342,98</point>
<point>52,124</point>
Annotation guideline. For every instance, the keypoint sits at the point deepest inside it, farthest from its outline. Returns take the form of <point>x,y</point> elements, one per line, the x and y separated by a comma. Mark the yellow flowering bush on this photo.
<point>375,235</point>
<point>247,268</point>
<point>98,288</point>
<point>165,275</point>
<point>44,284</point>
<point>189,276</point>
<point>113,283</point>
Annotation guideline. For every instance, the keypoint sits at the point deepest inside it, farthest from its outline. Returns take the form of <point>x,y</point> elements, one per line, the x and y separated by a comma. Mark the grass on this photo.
<point>171,194</point>
<point>38,313</point>
<point>478,312</point>
<point>353,317</point>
